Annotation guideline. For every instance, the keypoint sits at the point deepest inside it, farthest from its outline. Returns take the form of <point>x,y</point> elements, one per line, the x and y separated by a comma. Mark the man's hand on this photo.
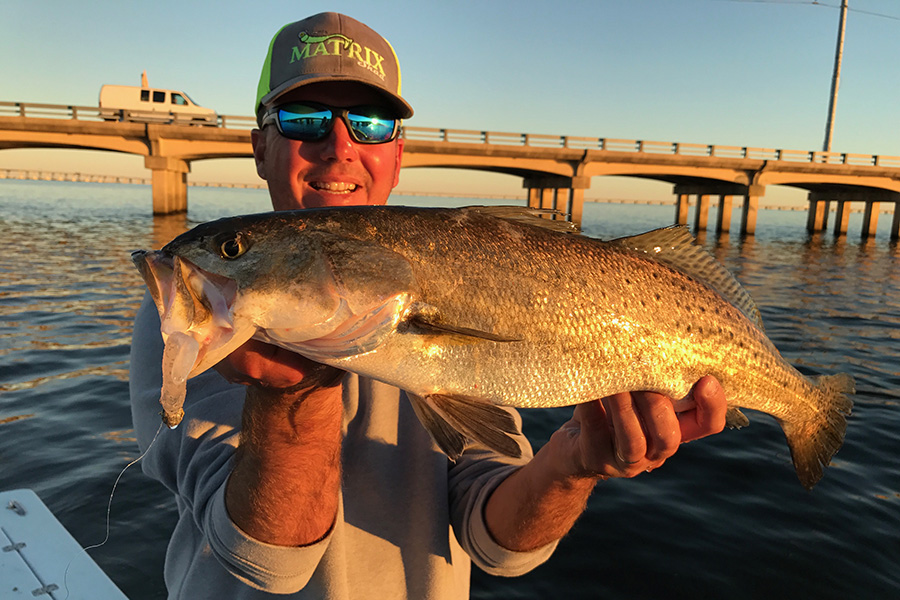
<point>629,433</point>
<point>264,365</point>
<point>619,436</point>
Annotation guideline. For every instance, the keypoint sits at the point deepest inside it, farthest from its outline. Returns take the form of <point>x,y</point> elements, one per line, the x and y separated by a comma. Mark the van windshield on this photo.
<point>190,100</point>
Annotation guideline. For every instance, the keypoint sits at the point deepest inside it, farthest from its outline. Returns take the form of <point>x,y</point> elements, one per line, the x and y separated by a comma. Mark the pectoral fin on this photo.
<point>443,328</point>
<point>428,321</point>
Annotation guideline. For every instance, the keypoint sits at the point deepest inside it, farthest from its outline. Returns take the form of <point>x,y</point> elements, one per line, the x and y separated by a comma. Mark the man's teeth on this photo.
<point>334,186</point>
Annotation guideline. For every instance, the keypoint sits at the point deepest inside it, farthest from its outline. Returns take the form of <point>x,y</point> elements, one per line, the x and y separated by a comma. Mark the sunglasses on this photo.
<point>312,122</point>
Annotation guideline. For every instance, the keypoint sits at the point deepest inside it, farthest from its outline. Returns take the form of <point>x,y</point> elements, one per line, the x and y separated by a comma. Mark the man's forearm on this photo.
<point>537,504</point>
<point>286,479</point>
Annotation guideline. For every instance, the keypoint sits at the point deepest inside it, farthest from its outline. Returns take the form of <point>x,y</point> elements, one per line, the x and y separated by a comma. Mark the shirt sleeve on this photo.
<point>472,479</point>
<point>194,461</point>
<point>274,569</point>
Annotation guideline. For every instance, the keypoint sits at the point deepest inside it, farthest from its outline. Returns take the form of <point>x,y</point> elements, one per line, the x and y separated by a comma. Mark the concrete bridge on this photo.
<point>555,169</point>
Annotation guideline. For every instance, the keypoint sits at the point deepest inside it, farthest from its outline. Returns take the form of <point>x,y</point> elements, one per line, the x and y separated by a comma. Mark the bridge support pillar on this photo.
<point>169,184</point>
<point>751,208</point>
<point>723,218</point>
<point>682,204</point>
<point>895,226</point>
<point>701,215</point>
<point>815,220</point>
<point>819,211</point>
<point>842,217</point>
<point>870,219</point>
<point>564,194</point>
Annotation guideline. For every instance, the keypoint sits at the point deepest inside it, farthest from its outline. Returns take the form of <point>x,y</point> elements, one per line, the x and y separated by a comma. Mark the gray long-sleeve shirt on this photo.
<point>409,522</point>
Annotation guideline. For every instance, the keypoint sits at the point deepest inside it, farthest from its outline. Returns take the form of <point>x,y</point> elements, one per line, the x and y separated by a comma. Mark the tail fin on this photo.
<point>814,442</point>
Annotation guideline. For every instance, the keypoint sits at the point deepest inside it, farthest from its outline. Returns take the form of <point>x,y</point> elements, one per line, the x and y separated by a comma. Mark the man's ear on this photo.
<point>397,163</point>
<point>258,142</point>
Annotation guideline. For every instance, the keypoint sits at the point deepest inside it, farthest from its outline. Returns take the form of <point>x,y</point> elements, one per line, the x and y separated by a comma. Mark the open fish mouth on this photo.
<point>196,321</point>
<point>175,282</point>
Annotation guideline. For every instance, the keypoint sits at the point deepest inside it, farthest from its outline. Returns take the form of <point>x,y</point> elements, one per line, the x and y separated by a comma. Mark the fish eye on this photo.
<point>233,246</point>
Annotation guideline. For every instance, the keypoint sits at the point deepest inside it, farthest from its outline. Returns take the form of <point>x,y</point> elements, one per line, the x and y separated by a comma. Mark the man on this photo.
<point>312,482</point>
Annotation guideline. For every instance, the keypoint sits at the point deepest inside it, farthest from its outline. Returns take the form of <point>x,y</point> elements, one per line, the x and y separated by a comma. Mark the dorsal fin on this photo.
<point>675,247</point>
<point>529,216</point>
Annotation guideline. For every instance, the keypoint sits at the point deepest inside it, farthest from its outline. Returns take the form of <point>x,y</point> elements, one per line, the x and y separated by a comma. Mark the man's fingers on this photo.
<point>661,428</point>
<point>711,407</point>
<point>708,416</point>
<point>259,363</point>
<point>629,443</point>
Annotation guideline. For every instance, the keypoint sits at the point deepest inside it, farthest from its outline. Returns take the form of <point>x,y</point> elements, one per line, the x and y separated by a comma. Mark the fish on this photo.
<point>473,309</point>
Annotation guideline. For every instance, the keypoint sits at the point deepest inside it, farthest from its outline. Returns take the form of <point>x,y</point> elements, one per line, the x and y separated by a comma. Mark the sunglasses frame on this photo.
<point>272,116</point>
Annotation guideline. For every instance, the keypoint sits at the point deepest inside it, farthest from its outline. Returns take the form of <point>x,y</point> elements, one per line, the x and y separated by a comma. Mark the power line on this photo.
<point>815,3</point>
<point>858,10</point>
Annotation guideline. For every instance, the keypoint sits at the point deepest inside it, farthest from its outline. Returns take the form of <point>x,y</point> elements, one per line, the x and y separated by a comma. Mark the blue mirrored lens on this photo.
<point>371,127</point>
<point>305,123</point>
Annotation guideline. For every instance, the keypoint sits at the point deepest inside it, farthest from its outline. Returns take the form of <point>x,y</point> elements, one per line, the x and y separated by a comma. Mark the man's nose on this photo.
<point>339,145</point>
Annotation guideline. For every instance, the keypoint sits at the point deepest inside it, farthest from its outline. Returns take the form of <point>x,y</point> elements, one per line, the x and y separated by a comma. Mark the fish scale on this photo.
<point>470,309</point>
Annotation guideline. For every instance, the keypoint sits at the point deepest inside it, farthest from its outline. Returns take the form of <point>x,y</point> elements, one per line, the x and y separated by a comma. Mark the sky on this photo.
<point>733,72</point>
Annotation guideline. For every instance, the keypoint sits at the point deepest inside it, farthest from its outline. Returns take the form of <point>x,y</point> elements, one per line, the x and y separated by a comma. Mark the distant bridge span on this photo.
<point>555,169</point>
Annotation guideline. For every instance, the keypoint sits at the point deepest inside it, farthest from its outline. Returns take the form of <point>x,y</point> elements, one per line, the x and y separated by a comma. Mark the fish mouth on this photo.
<point>196,322</point>
<point>191,300</point>
<point>168,276</point>
<point>156,267</point>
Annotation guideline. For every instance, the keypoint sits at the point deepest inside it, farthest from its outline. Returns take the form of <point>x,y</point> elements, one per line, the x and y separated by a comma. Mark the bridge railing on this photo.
<point>92,113</point>
<point>47,111</point>
<point>464,136</point>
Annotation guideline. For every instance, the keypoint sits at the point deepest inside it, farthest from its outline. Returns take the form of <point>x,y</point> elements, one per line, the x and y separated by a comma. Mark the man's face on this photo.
<point>335,171</point>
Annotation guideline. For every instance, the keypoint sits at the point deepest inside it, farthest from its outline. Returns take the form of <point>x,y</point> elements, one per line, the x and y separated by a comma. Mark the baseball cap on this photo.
<point>330,46</point>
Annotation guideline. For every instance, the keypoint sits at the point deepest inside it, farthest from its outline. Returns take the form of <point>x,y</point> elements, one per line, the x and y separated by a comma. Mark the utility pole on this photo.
<point>836,78</point>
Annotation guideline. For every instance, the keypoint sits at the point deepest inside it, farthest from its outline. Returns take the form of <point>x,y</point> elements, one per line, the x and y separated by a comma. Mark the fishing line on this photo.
<point>109,508</point>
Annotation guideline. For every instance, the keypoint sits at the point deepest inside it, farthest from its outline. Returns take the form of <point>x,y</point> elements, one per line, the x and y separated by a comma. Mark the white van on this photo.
<point>146,105</point>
